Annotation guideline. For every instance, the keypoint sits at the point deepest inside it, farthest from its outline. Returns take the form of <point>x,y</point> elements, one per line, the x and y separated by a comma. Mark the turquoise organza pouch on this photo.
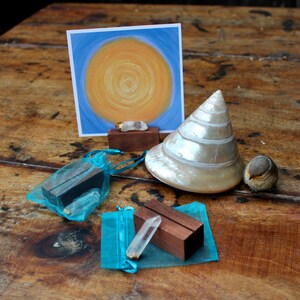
<point>117,232</point>
<point>75,190</point>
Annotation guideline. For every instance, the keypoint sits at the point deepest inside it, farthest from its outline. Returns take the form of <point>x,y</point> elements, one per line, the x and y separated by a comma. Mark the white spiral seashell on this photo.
<point>201,155</point>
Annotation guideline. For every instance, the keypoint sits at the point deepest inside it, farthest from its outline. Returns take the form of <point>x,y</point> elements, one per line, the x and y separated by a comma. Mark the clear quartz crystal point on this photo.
<point>143,237</point>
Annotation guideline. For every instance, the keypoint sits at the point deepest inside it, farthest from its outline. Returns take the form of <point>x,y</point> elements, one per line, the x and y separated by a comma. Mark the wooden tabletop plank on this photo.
<point>39,122</point>
<point>219,31</point>
<point>257,242</point>
<point>252,56</point>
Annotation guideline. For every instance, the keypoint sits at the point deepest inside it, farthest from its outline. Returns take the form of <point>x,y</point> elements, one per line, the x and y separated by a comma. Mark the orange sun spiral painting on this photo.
<point>127,79</point>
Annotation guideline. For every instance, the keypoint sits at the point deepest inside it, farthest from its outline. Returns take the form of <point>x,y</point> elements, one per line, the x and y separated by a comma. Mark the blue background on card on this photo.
<point>166,40</point>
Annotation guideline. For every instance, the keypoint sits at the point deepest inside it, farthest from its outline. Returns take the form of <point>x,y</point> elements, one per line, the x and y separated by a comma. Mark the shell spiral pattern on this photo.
<point>201,155</point>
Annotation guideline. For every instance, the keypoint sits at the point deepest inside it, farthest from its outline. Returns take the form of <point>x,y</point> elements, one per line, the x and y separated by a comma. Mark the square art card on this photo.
<point>129,73</point>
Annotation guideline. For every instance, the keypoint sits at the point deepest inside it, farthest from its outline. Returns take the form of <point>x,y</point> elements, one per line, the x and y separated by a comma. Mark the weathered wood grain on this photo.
<point>39,122</point>
<point>219,31</point>
<point>257,242</point>
<point>250,54</point>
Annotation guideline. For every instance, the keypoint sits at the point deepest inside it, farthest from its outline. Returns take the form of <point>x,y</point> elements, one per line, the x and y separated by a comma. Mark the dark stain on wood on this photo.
<point>191,54</point>
<point>158,196</point>
<point>297,176</point>
<point>31,110</point>
<point>241,141</point>
<point>32,63</point>
<point>242,200</point>
<point>200,85</point>
<point>35,23</point>
<point>254,134</point>
<point>280,55</point>
<point>178,193</point>
<point>56,7</point>
<point>66,244</point>
<point>232,102</point>
<point>11,41</point>
<point>135,199</point>
<point>18,153</point>
<point>25,274</point>
<point>124,24</point>
<point>128,185</point>
<point>95,17</point>
<point>197,24</point>
<point>136,292</point>
<point>4,208</point>
<point>54,115</point>
<point>284,171</point>
<point>222,71</point>
<point>261,12</point>
<point>30,163</point>
<point>288,25</point>
<point>161,21</point>
<point>15,148</point>
<point>186,70</point>
<point>92,18</point>
<point>81,149</point>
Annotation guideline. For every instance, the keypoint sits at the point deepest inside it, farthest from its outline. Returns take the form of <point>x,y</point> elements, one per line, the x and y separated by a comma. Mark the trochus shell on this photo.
<point>201,155</point>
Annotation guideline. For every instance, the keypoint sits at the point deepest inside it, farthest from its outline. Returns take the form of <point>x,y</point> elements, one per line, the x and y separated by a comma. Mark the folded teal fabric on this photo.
<point>117,231</point>
<point>94,167</point>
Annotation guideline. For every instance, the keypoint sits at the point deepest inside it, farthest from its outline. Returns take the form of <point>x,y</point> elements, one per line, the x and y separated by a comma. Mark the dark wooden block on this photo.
<point>70,172</point>
<point>177,234</point>
<point>70,185</point>
<point>133,140</point>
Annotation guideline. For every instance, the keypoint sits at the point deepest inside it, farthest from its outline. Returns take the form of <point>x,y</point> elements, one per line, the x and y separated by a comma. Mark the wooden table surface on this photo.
<point>252,55</point>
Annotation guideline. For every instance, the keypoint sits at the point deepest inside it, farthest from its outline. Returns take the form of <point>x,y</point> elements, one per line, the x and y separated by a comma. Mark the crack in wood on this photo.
<point>282,197</point>
<point>66,244</point>
<point>187,54</point>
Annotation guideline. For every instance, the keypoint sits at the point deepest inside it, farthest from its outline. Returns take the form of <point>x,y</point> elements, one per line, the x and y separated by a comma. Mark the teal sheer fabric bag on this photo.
<point>117,232</point>
<point>75,190</point>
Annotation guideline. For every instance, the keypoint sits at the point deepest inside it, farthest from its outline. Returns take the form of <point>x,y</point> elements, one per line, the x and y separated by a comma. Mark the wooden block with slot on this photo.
<point>71,184</point>
<point>133,140</point>
<point>178,234</point>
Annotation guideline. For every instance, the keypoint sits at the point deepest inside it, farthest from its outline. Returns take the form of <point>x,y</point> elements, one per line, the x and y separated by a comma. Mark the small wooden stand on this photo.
<point>133,140</point>
<point>70,185</point>
<point>178,234</point>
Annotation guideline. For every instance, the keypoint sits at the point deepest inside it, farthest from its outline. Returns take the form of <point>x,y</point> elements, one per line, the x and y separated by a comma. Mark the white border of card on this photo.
<point>82,45</point>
